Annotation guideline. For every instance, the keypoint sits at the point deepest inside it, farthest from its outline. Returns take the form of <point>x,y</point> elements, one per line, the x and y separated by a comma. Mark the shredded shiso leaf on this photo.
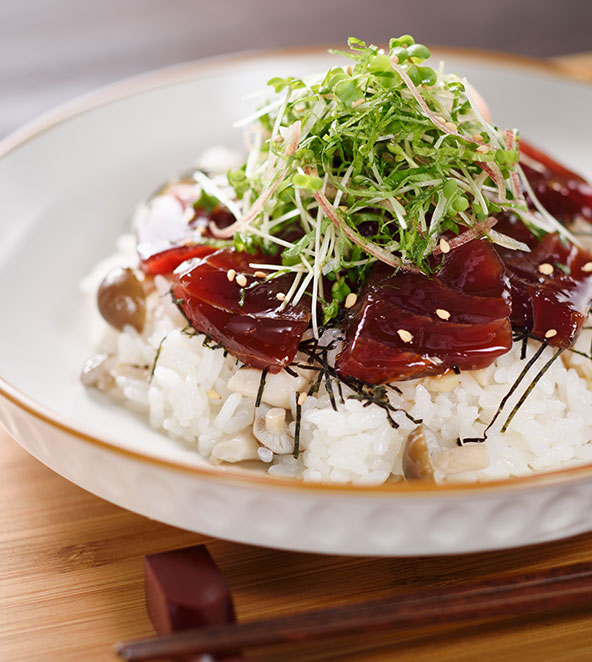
<point>371,162</point>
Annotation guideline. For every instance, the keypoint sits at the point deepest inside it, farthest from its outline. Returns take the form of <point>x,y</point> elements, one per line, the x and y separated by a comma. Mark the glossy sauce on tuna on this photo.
<point>247,319</point>
<point>404,325</point>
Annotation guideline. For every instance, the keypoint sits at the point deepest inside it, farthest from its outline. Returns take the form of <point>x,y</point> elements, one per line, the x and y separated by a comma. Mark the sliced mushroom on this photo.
<point>280,388</point>
<point>97,372</point>
<point>241,447</point>
<point>417,459</point>
<point>271,430</point>
<point>121,299</point>
<point>469,457</point>
<point>424,458</point>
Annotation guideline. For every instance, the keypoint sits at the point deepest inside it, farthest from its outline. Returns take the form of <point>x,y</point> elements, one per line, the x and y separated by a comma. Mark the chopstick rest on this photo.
<point>186,590</point>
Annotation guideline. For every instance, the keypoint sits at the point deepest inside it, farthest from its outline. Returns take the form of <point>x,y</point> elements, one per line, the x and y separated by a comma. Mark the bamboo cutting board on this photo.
<point>71,580</point>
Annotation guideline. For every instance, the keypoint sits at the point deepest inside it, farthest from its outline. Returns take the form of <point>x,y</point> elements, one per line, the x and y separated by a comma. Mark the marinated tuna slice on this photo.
<point>171,228</point>
<point>563,193</point>
<point>407,325</point>
<point>551,289</point>
<point>222,296</point>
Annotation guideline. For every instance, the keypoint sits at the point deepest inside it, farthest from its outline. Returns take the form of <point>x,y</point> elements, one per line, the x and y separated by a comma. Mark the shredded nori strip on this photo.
<point>534,358</point>
<point>580,353</point>
<point>328,381</point>
<point>260,389</point>
<point>523,348</point>
<point>530,388</point>
<point>367,393</point>
<point>157,355</point>
<point>296,450</point>
<point>291,372</point>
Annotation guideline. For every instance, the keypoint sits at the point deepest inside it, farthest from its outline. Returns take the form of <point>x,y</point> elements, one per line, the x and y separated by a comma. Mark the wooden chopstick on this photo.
<point>563,588</point>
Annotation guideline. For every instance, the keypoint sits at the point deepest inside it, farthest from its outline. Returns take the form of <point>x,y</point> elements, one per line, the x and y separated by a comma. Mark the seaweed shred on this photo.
<point>156,357</point>
<point>260,389</point>
<point>531,387</point>
<point>296,450</point>
<point>533,359</point>
<point>368,394</point>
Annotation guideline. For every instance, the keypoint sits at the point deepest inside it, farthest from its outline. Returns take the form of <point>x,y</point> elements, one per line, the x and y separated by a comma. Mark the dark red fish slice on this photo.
<point>552,306</point>
<point>246,320</point>
<point>397,331</point>
<point>563,193</point>
<point>170,230</point>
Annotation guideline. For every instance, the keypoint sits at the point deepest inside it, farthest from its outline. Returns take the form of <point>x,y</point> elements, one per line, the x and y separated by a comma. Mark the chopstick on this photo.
<point>562,588</point>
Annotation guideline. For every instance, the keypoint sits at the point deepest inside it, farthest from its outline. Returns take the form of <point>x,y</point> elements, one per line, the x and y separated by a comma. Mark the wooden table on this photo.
<point>71,579</point>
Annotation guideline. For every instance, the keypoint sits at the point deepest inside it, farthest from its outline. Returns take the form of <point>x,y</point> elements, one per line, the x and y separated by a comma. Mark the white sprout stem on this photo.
<point>293,288</point>
<point>303,287</point>
<point>316,267</point>
<point>277,240</point>
<point>277,267</point>
<point>249,119</point>
<point>397,207</point>
<point>344,181</point>
<point>209,187</point>
<point>305,217</point>
<point>557,226</point>
<point>491,132</point>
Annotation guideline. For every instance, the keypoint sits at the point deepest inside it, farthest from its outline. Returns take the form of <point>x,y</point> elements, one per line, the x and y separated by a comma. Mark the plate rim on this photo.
<point>185,71</point>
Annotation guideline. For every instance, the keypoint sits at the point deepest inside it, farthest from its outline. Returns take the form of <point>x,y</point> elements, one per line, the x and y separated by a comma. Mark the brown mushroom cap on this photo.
<point>417,463</point>
<point>121,299</point>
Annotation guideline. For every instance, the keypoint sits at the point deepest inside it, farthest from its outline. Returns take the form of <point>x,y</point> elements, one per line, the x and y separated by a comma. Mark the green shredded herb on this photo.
<point>369,161</point>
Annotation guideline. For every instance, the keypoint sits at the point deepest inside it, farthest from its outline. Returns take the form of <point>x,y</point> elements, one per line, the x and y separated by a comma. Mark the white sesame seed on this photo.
<point>213,395</point>
<point>440,119</point>
<point>482,149</point>
<point>230,274</point>
<point>478,137</point>
<point>281,296</point>
<point>350,300</point>
<point>546,268</point>
<point>302,399</point>
<point>551,333</point>
<point>278,139</point>
<point>451,126</point>
<point>349,70</point>
<point>260,274</point>
<point>405,335</point>
<point>442,314</point>
<point>444,246</point>
<point>587,267</point>
<point>241,280</point>
<point>358,102</point>
<point>189,213</point>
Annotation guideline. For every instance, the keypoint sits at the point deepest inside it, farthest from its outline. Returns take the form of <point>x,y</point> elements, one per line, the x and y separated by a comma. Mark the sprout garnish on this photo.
<point>372,162</point>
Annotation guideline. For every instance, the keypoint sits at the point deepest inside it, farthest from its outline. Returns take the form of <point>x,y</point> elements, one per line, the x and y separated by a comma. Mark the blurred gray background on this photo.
<point>52,50</point>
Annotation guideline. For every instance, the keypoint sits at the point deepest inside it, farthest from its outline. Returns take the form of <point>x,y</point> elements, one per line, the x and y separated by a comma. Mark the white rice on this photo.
<point>355,444</point>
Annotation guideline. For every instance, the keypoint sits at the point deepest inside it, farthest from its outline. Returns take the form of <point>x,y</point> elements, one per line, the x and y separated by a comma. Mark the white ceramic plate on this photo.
<point>67,186</point>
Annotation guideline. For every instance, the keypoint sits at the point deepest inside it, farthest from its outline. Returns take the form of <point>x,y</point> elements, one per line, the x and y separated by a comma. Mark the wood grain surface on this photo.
<point>71,579</point>
<point>71,584</point>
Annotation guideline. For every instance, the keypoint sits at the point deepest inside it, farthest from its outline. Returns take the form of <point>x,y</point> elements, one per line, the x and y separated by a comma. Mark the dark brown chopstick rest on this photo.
<point>186,590</point>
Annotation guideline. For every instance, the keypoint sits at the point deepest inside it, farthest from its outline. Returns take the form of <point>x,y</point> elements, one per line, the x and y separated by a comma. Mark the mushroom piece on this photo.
<point>280,388</point>
<point>121,299</point>
<point>271,430</point>
<point>241,447</point>
<point>425,459</point>
<point>417,460</point>
<point>96,372</point>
